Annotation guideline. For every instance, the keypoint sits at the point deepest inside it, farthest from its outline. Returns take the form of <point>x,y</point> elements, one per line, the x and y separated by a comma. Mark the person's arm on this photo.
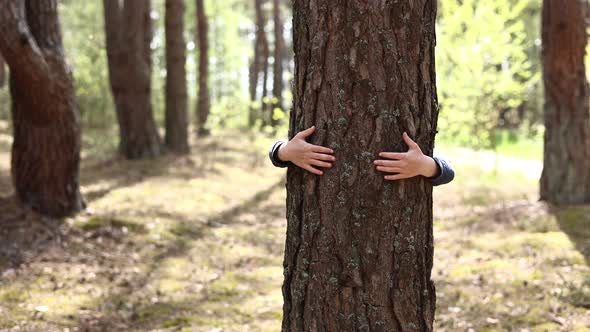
<point>404,165</point>
<point>302,154</point>
<point>445,172</point>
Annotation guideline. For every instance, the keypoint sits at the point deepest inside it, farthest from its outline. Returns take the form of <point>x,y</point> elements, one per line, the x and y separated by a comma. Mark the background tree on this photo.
<point>203,101</point>
<point>359,250</point>
<point>176,88</point>
<point>279,58</point>
<point>566,172</point>
<point>2,72</point>
<point>46,136</point>
<point>259,63</point>
<point>128,36</point>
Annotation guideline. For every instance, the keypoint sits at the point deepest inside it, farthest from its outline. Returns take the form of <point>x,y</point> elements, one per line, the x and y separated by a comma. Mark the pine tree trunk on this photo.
<point>359,249</point>
<point>264,100</point>
<point>279,55</point>
<point>2,73</point>
<point>257,65</point>
<point>128,34</point>
<point>46,145</point>
<point>566,172</point>
<point>176,89</point>
<point>203,101</point>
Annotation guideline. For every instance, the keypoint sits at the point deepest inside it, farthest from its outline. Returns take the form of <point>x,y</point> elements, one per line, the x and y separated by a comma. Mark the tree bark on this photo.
<point>279,56</point>
<point>359,249</point>
<point>128,35</point>
<point>566,173</point>
<point>46,142</point>
<point>176,89</point>
<point>203,101</point>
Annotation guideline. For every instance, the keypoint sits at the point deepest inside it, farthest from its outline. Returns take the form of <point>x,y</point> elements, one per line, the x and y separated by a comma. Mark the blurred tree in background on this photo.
<point>176,88</point>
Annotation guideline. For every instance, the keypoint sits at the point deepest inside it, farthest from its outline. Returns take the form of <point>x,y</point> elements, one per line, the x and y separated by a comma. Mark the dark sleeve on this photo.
<point>446,172</point>
<point>273,154</point>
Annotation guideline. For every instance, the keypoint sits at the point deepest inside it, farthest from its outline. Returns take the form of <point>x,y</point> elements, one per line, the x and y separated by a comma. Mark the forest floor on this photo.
<point>195,243</point>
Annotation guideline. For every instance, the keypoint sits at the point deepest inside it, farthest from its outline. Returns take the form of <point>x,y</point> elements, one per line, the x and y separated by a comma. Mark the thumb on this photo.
<point>306,133</point>
<point>411,144</point>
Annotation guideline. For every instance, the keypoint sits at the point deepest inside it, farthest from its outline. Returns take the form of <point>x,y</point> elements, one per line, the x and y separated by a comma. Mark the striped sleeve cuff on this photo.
<point>273,154</point>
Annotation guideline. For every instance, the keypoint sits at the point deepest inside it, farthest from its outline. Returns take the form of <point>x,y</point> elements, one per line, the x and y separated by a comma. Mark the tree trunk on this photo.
<point>2,73</point>
<point>257,66</point>
<point>46,145</point>
<point>566,173</point>
<point>128,34</point>
<point>264,100</point>
<point>203,101</point>
<point>279,55</point>
<point>359,249</point>
<point>176,90</point>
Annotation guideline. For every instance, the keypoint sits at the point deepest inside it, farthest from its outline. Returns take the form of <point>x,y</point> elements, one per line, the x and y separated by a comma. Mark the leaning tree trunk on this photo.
<point>46,146</point>
<point>279,55</point>
<point>203,101</point>
<point>128,34</point>
<point>176,90</point>
<point>359,249</point>
<point>566,171</point>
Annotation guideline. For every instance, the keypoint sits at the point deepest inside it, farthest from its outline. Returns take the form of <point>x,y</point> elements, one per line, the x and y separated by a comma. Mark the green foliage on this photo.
<point>482,67</point>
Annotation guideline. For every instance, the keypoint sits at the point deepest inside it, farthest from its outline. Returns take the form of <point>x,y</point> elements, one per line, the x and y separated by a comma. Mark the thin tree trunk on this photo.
<point>279,55</point>
<point>128,34</point>
<point>257,65</point>
<point>46,145</point>
<point>176,89</point>
<point>2,73</point>
<point>566,173</point>
<point>264,100</point>
<point>203,101</point>
<point>359,249</point>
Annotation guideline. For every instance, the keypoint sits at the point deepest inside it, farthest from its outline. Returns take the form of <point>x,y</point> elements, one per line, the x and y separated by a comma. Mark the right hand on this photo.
<point>306,155</point>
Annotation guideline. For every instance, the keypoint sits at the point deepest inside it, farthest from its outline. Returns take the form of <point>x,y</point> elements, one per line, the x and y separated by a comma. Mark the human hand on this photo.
<point>406,165</point>
<point>306,155</point>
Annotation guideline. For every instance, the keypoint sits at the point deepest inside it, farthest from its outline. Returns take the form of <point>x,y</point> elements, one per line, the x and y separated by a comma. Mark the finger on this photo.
<point>393,155</point>
<point>321,156</point>
<point>306,133</point>
<point>320,163</point>
<point>409,141</point>
<point>396,177</point>
<point>389,169</point>
<point>321,149</point>
<point>313,170</point>
<point>389,163</point>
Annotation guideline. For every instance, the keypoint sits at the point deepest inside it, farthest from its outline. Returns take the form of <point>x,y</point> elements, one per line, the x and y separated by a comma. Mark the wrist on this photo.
<point>283,152</point>
<point>429,167</point>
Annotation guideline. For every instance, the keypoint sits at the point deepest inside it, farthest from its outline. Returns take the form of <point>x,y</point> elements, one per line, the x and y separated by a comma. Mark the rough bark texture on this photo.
<point>566,172</point>
<point>128,34</point>
<point>2,72</point>
<point>203,101</point>
<point>257,67</point>
<point>176,89</point>
<point>46,146</point>
<point>279,56</point>
<point>359,249</point>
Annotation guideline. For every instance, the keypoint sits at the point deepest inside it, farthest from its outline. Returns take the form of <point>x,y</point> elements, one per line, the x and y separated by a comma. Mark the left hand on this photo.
<point>406,165</point>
